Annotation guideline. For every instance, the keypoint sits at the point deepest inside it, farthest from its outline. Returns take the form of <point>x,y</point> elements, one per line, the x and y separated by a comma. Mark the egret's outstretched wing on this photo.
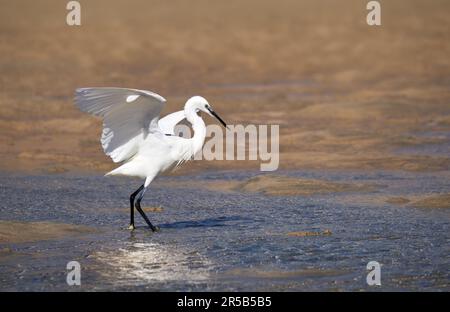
<point>168,123</point>
<point>129,115</point>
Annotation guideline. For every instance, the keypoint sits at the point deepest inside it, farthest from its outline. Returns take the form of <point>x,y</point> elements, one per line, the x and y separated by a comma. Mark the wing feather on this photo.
<point>129,115</point>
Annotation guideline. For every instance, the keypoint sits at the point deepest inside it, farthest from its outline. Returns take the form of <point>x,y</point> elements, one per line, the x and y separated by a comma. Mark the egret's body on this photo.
<point>169,152</point>
<point>134,135</point>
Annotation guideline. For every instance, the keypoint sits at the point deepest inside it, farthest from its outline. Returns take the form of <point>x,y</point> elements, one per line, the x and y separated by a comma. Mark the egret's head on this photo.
<point>200,104</point>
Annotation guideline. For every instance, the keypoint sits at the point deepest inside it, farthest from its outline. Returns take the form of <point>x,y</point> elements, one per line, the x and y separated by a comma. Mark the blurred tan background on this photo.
<point>346,95</point>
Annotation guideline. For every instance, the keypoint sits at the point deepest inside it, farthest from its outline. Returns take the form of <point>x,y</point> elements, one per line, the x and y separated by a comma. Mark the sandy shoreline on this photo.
<point>346,96</point>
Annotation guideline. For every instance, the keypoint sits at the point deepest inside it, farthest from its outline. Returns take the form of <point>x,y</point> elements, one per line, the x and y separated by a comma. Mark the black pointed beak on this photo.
<point>217,117</point>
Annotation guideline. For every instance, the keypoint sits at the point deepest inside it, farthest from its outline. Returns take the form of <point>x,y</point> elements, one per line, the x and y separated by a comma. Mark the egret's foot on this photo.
<point>131,227</point>
<point>155,228</point>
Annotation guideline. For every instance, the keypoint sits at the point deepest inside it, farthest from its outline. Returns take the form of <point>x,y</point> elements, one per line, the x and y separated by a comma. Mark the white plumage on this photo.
<point>134,135</point>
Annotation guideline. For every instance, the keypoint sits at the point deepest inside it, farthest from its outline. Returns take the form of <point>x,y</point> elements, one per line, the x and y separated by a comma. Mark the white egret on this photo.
<point>134,135</point>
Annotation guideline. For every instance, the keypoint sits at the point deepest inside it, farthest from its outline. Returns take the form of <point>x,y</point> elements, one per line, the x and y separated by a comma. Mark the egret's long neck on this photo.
<point>199,129</point>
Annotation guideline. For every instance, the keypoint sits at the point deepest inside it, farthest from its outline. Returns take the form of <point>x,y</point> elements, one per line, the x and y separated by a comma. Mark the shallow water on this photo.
<point>441,146</point>
<point>213,240</point>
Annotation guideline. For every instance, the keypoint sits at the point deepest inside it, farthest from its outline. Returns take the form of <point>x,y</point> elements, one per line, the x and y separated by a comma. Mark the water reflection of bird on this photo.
<point>134,135</point>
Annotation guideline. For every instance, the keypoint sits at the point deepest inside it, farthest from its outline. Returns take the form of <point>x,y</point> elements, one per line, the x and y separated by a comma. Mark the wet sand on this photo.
<point>306,233</point>
<point>277,185</point>
<point>20,232</point>
<point>439,201</point>
<point>346,95</point>
<point>435,201</point>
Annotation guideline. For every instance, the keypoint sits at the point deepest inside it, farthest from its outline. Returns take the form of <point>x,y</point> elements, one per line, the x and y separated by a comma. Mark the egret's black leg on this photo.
<point>132,196</point>
<point>138,207</point>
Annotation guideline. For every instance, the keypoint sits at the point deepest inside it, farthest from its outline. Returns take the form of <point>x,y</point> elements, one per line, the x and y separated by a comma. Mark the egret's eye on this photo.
<point>206,105</point>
